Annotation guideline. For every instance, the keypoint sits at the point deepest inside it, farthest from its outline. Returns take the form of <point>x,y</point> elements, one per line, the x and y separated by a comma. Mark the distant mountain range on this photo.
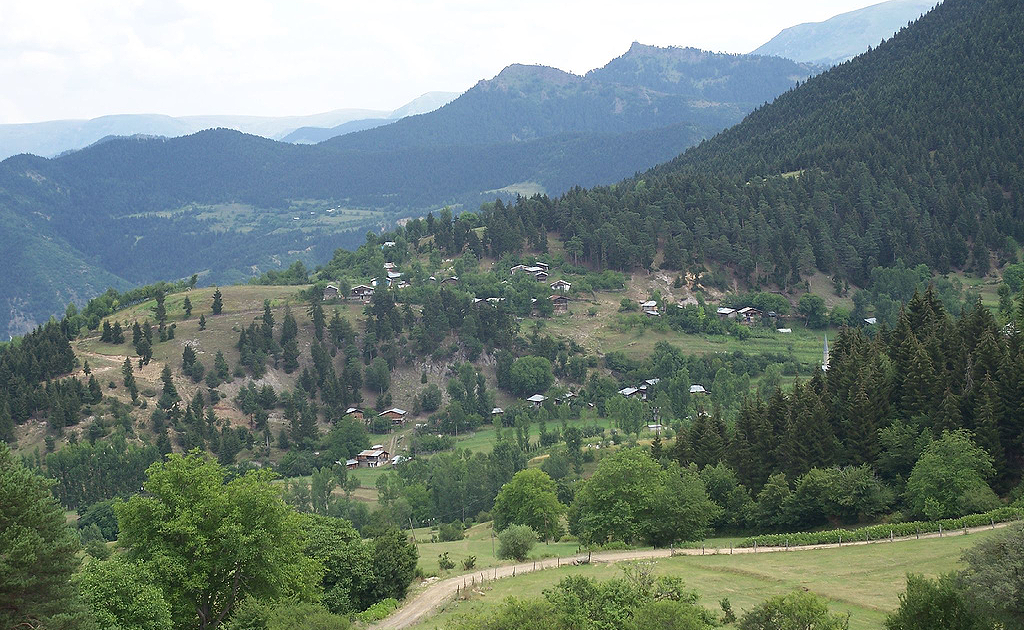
<point>55,137</point>
<point>846,35</point>
<point>128,211</point>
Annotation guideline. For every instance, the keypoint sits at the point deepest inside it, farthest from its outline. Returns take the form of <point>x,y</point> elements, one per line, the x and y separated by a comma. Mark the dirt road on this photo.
<point>424,602</point>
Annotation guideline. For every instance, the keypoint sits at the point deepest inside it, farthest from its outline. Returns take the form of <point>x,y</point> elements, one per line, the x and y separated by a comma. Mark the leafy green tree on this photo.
<point>122,595</point>
<point>799,610</point>
<point>632,498</point>
<point>395,560</point>
<point>530,375</point>
<point>530,498</point>
<point>516,542</point>
<point>940,603</point>
<point>210,544</point>
<point>812,307</point>
<point>218,302</point>
<point>949,479</point>
<point>995,576</point>
<point>37,549</point>
<point>378,375</point>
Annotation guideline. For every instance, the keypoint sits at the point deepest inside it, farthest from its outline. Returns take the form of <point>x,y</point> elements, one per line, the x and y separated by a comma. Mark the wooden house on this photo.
<point>559,303</point>
<point>724,312</point>
<point>361,292</point>
<point>749,315</point>
<point>330,292</point>
<point>697,389</point>
<point>355,412</point>
<point>373,457</point>
<point>561,286</point>
<point>396,415</point>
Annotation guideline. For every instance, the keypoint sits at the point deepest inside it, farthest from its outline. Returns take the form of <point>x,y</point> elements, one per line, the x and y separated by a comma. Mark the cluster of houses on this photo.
<point>538,270</point>
<point>642,390</point>
<point>396,415</point>
<point>747,315</point>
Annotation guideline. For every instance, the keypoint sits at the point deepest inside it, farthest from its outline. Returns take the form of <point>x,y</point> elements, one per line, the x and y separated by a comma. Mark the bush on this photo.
<point>516,542</point>
<point>877,532</point>
<point>448,532</point>
<point>444,562</point>
<point>790,612</point>
<point>378,611</point>
<point>468,563</point>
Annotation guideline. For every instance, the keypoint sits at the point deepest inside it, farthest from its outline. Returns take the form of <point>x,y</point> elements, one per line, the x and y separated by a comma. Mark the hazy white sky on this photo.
<point>87,58</point>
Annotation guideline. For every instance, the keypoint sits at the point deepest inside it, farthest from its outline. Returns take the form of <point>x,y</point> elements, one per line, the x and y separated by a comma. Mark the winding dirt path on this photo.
<point>423,603</point>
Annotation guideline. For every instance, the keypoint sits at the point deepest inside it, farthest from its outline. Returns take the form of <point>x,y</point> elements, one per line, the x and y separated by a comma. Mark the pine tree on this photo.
<point>218,302</point>
<point>319,320</point>
<point>129,378</point>
<point>160,313</point>
<point>290,356</point>
<point>117,334</point>
<point>202,322</point>
<point>187,306</point>
<point>169,397</point>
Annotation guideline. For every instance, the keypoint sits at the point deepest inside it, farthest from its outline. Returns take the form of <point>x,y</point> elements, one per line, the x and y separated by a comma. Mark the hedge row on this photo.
<point>877,532</point>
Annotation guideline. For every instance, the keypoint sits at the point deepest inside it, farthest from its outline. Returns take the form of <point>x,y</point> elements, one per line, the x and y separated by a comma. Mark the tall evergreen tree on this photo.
<point>218,302</point>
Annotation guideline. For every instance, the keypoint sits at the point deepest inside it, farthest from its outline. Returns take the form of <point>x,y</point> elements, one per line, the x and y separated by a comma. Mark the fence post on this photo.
<point>730,549</point>
<point>992,522</point>
<point>940,530</point>
<point>787,544</point>
<point>891,538</point>
<point>755,546</point>
<point>513,571</point>
<point>965,530</point>
<point>702,550</point>
<point>918,528</point>
<point>840,540</point>
<point>534,565</point>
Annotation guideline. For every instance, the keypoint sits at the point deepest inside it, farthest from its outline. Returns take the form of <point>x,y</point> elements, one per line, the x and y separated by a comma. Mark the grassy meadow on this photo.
<point>864,581</point>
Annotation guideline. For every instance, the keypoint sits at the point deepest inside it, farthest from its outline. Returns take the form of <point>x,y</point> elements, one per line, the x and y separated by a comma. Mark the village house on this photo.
<point>372,457</point>
<point>697,389</point>
<point>361,292</point>
<point>651,312</point>
<point>537,399</point>
<point>497,411</point>
<point>351,463</point>
<point>390,266</point>
<point>561,286</point>
<point>387,244</point>
<point>724,312</point>
<point>450,281</point>
<point>396,415</point>
<point>355,412</point>
<point>330,292</point>
<point>649,305</point>
<point>559,303</point>
<point>629,391</point>
<point>749,315</point>
<point>393,277</point>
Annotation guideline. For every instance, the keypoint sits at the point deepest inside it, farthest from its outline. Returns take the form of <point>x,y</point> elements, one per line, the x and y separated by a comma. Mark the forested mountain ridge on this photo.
<point>645,88</point>
<point>134,210</point>
<point>910,152</point>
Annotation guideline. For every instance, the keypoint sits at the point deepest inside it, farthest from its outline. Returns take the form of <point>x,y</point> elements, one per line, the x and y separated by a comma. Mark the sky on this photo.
<point>64,59</point>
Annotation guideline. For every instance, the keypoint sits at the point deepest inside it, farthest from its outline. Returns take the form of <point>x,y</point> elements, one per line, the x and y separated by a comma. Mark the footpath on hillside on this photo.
<point>416,608</point>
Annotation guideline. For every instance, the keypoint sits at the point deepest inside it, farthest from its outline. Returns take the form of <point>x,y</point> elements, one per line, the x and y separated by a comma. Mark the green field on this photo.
<point>864,581</point>
<point>478,542</point>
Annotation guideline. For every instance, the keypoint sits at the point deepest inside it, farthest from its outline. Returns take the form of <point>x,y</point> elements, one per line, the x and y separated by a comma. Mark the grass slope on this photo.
<point>864,581</point>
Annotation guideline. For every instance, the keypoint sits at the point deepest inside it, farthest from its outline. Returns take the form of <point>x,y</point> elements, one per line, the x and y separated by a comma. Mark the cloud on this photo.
<point>73,59</point>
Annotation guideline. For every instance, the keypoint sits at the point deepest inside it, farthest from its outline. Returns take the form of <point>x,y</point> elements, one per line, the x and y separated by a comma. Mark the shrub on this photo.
<point>516,542</point>
<point>378,611</point>
<point>877,532</point>
<point>444,562</point>
<point>469,562</point>
<point>796,610</point>
<point>448,532</point>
